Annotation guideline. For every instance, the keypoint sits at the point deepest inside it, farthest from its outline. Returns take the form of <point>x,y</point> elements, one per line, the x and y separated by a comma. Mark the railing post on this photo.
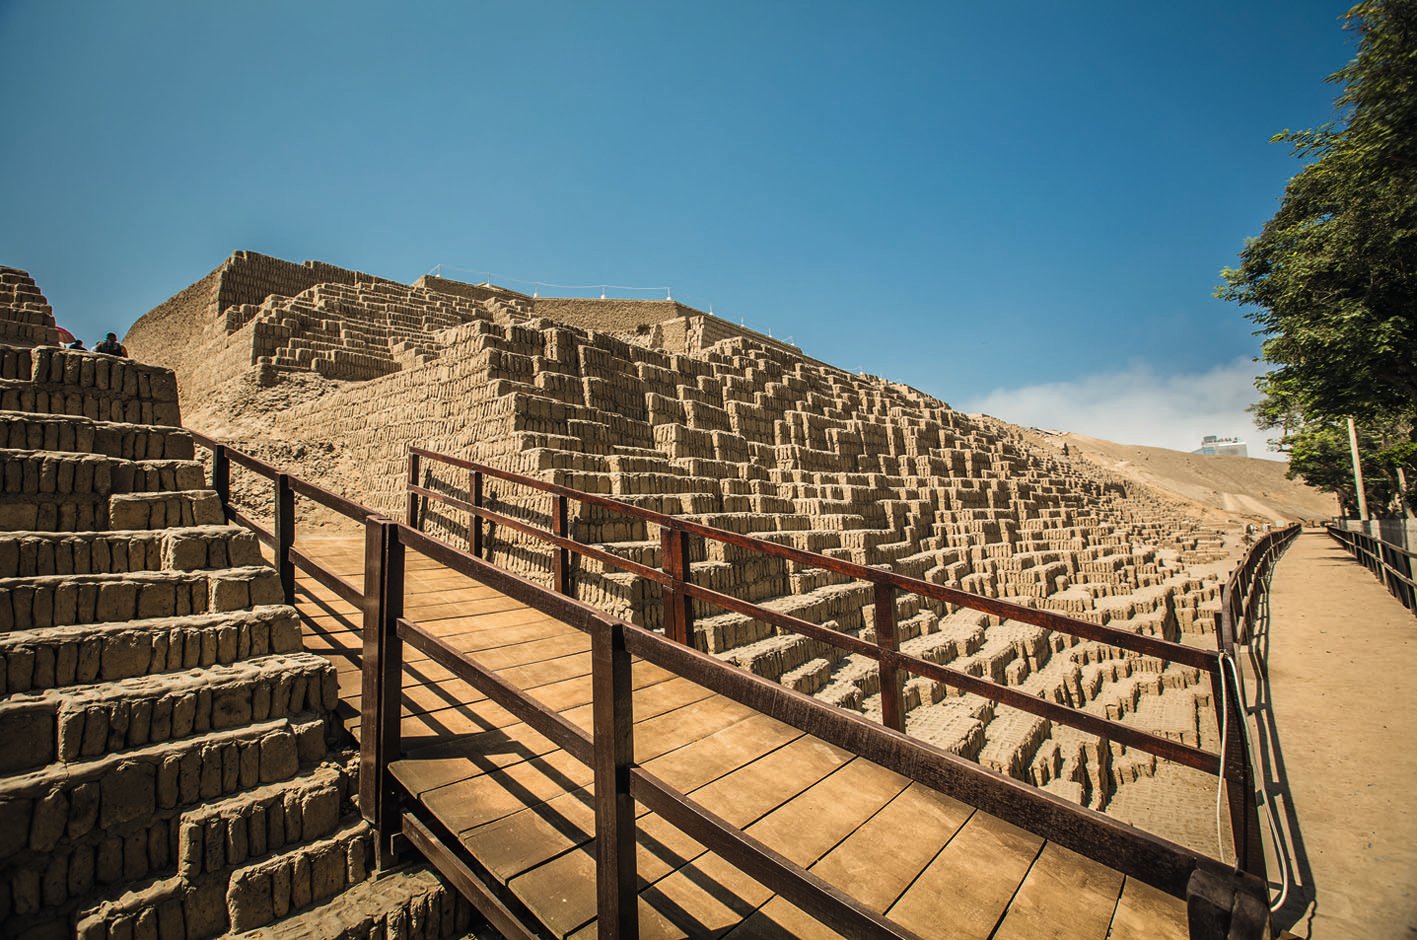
<point>678,605</point>
<point>475,521</point>
<point>613,720</point>
<point>381,682</point>
<point>285,535</point>
<point>892,682</point>
<point>221,476</point>
<point>412,519</point>
<point>560,524</point>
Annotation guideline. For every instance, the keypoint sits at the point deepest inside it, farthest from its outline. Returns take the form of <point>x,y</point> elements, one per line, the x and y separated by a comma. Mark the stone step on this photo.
<point>405,903</point>
<point>213,905</point>
<point>35,554</point>
<point>294,880</point>
<point>88,721</point>
<point>56,657</point>
<point>74,434</point>
<point>165,510</point>
<point>88,402</point>
<point>115,820</point>
<point>59,601</point>
<point>16,362</point>
<point>55,491</point>
<point>43,472</point>
<point>229,833</point>
<point>65,376</point>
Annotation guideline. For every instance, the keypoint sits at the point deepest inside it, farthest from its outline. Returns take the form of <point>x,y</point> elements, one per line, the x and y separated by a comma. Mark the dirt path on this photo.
<point>1343,733</point>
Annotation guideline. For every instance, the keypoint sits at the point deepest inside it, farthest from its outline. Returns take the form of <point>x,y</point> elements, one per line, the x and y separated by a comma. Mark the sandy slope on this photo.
<point>1243,485</point>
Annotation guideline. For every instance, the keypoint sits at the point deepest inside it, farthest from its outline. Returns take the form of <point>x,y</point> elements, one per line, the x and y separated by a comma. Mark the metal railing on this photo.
<point>1391,563</point>
<point>1244,602</point>
<point>619,782</point>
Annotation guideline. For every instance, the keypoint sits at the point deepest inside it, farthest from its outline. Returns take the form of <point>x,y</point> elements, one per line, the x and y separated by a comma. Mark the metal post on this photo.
<point>413,500</point>
<point>678,605</point>
<point>474,520</point>
<point>613,720</point>
<point>892,682</point>
<point>381,682</point>
<point>285,535</point>
<point>560,524</point>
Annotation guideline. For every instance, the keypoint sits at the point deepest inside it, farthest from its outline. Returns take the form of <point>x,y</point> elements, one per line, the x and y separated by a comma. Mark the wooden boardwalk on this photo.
<point>523,808</point>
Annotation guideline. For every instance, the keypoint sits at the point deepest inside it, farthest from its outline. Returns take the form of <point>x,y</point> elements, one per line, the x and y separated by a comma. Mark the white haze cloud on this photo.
<point>1138,406</point>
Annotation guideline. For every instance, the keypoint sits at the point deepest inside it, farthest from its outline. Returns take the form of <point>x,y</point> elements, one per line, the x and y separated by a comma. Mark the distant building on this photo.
<point>1213,446</point>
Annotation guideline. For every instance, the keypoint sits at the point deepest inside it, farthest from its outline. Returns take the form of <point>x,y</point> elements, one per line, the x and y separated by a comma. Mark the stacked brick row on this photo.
<point>25,316</point>
<point>165,768</point>
<point>760,440</point>
<point>350,332</point>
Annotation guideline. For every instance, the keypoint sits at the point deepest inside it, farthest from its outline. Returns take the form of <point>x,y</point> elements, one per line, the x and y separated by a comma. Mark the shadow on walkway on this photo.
<point>1291,857</point>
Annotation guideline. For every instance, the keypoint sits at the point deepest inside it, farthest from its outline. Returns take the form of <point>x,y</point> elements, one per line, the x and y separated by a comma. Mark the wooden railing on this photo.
<point>618,781</point>
<point>1394,565</point>
<point>678,590</point>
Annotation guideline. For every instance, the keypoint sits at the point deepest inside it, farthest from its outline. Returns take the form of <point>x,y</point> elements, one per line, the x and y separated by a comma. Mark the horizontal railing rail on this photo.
<point>1049,620</point>
<point>885,652</point>
<point>281,535</point>
<point>618,781</point>
<point>1394,565</point>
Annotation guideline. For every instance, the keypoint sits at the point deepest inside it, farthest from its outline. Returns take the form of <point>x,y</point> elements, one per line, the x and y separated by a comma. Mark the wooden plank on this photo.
<point>757,789</point>
<point>958,894</point>
<point>1130,850</point>
<point>419,779</point>
<point>488,904</point>
<point>1144,911</point>
<point>485,798</point>
<point>721,753</point>
<point>538,833</point>
<point>663,850</point>
<point>1065,896</point>
<point>443,762</point>
<point>710,896</point>
<point>561,894</point>
<point>875,864</point>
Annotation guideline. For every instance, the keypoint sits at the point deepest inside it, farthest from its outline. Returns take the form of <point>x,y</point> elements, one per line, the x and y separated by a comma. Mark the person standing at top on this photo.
<point>78,344</point>
<point>110,346</point>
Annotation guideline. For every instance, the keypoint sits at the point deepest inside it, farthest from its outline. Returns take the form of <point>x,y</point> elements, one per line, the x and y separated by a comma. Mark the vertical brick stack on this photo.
<point>26,319</point>
<point>164,767</point>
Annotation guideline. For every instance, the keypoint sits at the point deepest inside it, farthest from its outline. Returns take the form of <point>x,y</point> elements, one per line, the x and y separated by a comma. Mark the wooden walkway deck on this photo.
<point>523,808</point>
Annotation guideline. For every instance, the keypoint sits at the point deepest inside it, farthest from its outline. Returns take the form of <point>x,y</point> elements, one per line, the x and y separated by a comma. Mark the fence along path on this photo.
<point>575,774</point>
<point>523,808</point>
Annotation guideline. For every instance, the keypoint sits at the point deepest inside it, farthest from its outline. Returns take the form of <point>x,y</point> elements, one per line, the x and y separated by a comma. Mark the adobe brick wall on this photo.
<point>26,319</point>
<point>166,768</point>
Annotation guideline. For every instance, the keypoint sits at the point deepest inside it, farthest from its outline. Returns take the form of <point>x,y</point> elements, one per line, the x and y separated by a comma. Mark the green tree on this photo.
<point>1331,281</point>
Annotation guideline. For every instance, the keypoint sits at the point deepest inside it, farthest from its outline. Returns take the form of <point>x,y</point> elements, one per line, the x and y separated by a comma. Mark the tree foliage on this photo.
<point>1331,281</point>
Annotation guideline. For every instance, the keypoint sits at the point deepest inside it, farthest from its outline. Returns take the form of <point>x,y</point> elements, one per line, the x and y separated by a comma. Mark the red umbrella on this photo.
<point>64,335</point>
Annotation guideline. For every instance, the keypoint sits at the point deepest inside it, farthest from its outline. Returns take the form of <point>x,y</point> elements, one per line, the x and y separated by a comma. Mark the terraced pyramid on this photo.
<point>677,411</point>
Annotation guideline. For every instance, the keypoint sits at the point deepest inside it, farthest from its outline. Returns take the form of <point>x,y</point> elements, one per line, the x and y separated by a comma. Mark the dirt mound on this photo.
<point>1244,486</point>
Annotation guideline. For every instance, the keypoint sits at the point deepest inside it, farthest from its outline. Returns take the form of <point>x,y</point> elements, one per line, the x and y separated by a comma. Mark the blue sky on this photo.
<point>1019,207</point>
